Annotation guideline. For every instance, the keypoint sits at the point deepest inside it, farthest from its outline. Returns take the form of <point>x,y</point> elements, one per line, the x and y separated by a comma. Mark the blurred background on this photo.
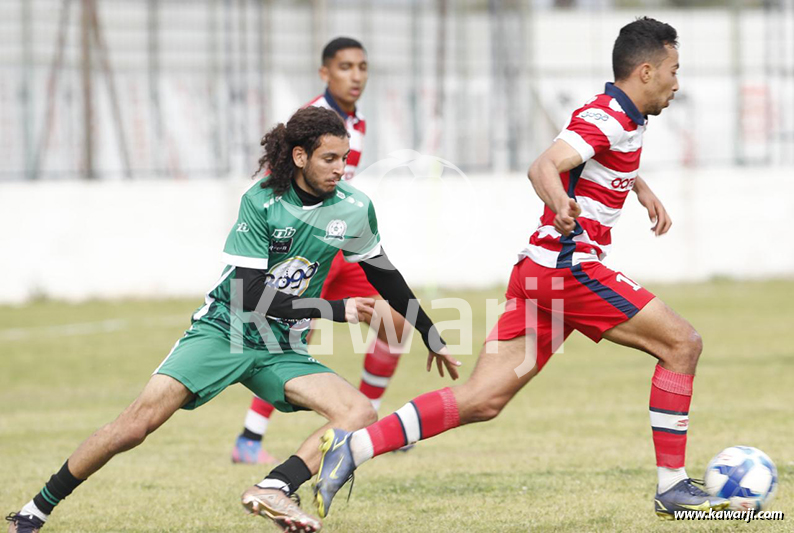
<point>128,129</point>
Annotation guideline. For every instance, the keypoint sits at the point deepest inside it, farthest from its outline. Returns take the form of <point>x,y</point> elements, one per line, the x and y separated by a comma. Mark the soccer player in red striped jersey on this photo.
<point>345,71</point>
<point>559,284</point>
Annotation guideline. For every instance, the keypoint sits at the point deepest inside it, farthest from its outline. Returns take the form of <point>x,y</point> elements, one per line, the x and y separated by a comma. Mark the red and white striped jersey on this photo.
<point>607,133</point>
<point>356,127</point>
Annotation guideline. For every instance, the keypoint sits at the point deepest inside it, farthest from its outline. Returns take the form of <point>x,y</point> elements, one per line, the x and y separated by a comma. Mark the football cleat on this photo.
<point>24,523</point>
<point>686,496</point>
<point>336,468</point>
<point>249,451</point>
<point>281,509</point>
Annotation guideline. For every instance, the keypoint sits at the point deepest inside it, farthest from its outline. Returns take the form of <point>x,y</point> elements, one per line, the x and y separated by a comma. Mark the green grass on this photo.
<point>571,453</point>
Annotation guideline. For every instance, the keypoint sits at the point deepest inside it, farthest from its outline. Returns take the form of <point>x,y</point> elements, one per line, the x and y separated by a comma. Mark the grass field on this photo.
<point>572,453</point>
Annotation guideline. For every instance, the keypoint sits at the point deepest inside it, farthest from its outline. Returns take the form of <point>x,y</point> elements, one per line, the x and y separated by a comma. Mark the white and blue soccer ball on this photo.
<point>744,475</point>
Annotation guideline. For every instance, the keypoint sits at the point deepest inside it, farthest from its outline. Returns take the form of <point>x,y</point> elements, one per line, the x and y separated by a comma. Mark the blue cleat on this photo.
<point>686,496</point>
<point>249,451</point>
<point>336,468</point>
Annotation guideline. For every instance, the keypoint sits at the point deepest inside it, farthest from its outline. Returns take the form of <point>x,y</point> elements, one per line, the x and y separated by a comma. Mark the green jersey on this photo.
<point>295,244</point>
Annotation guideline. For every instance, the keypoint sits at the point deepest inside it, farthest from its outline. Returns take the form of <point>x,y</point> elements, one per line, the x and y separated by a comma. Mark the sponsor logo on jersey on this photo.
<point>623,184</point>
<point>336,229</point>
<point>594,115</point>
<point>285,233</point>
<point>242,227</point>
<point>292,275</point>
<point>280,247</point>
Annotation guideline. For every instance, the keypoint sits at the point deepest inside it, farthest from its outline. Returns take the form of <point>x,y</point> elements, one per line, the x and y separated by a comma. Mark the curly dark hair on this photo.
<point>305,129</point>
<point>638,42</point>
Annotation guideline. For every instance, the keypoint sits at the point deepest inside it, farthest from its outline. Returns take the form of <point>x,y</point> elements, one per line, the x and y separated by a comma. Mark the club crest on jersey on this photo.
<point>285,233</point>
<point>336,229</point>
<point>292,275</point>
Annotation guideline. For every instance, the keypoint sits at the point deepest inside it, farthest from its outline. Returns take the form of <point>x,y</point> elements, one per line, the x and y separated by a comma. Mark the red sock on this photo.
<point>257,419</point>
<point>671,394</point>
<point>424,417</point>
<point>379,367</point>
<point>261,407</point>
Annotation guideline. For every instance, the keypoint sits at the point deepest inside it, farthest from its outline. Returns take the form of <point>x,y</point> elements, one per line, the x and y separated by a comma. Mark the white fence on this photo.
<point>198,83</point>
<point>76,240</point>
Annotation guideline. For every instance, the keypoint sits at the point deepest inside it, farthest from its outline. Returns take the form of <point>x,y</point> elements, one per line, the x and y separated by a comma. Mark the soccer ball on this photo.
<point>746,476</point>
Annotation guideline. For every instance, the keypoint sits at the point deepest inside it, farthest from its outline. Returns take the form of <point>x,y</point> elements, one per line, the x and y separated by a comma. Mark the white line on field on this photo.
<point>87,328</point>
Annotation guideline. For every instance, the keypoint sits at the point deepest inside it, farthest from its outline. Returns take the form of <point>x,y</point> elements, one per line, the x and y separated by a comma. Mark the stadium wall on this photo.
<point>79,240</point>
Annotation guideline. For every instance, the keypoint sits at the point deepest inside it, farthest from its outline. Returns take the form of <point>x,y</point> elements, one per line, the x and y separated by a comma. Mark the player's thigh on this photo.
<point>269,381</point>
<point>161,397</point>
<point>328,395</point>
<point>205,361</point>
<point>657,330</point>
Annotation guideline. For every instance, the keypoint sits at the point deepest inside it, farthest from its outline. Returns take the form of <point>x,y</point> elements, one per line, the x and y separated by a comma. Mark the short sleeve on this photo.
<point>248,243</point>
<point>366,243</point>
<point>591,131</point>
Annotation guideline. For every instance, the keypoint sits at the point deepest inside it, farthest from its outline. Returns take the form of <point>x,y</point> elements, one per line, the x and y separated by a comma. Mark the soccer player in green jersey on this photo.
<point>252,328</point>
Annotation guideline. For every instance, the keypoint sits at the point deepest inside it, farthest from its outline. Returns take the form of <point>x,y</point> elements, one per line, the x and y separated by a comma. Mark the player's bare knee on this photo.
<point>360,415</point>
<point>486,409</point>
<point>364,416</point>
<point>694,347</point>
<point>126,434</point>
<point>684,351</point>
<point>489,410</point>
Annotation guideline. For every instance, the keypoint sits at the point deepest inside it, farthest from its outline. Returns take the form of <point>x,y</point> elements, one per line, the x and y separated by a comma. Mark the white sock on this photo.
<point>375,403</point>
<point>255,422</point>
<point>273,484</point>
<point>31,509</point>
<point>668,477</point>
<point>361,447</point>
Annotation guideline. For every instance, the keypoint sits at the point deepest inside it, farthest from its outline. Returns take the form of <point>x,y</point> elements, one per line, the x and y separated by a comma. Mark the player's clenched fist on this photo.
<point>357,309</point>
<point>565,221</point>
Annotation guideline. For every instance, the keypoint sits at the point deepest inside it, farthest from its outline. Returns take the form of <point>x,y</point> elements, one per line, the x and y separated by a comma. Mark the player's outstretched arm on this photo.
<point>656,212</point>
<point>259,297</point>
<point>544,173</point>
<point>388,281</point>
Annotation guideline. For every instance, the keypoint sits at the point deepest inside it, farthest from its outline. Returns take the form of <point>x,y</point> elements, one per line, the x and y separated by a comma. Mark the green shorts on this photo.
<point>204,362</point>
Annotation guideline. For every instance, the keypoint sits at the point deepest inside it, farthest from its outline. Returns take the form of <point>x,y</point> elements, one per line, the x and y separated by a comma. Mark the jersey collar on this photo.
<point>342,113</point>
<point>291,196</point>
<point>625,102</point>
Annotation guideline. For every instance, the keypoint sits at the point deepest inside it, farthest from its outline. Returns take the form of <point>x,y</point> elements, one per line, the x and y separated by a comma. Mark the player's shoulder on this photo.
<point>347,193</point>
<point>604,112</point>
<point>604,108</point>
<point>318,101</point>
<point>260,197</point>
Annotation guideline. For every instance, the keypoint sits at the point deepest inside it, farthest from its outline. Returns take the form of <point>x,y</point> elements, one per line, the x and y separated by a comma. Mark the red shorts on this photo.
<point>346,280</point>
<point>553,302</point>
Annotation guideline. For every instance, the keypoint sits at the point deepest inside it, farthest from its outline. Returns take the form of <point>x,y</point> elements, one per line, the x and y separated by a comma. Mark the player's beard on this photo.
<point>314,183</point>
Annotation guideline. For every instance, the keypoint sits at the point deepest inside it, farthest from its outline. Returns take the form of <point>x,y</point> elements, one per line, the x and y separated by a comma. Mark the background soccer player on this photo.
<point>290,226</point>
<point>345,71</point>
<point>584,179</point>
